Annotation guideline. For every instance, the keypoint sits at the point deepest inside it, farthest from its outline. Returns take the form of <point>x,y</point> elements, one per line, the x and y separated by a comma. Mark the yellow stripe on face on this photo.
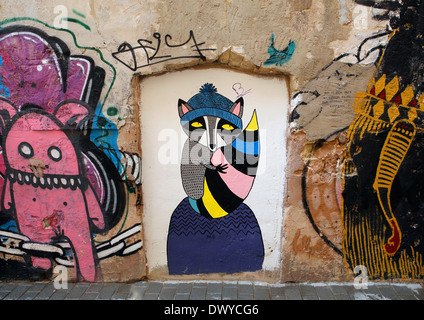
<point>213,208</point>
<point>253,124</point>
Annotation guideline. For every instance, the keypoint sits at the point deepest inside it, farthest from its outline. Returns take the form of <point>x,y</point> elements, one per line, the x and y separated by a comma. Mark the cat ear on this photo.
<point>237,108</point>
<point>7,111</point>
<point>183,108</point>
<point>71,112</point>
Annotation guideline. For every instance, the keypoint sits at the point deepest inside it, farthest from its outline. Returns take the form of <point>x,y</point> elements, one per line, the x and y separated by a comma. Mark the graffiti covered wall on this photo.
<point>377,179</point>
<point>138,142</point>
<point>62,190</point>
<point>391,108</point>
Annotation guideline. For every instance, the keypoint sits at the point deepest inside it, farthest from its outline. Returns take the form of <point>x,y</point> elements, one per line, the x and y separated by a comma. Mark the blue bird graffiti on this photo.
<point>279,57</point>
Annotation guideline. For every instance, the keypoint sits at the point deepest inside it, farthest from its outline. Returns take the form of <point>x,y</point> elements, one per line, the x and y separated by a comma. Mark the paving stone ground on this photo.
<point>209,290</point>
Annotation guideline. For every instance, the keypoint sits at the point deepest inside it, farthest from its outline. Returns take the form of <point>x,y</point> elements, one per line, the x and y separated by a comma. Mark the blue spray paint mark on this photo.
<point>9,226</point>
<point>279,57</point>
<point>2,87</point>
<point>104,134</point>
<point>5,90</point>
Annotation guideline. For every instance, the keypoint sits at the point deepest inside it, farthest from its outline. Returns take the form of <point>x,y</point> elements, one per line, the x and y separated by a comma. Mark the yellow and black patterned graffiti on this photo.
<point>383,185</point>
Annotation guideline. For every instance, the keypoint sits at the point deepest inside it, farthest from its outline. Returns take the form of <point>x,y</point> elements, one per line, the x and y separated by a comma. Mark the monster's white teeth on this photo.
<point>46,181</point>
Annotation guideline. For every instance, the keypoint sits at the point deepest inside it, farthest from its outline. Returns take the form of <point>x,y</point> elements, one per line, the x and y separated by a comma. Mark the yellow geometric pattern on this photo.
<point>392,88</point>
<point>412,115</point>
<point>379,109</point>
<point>390,92</point>
<point>407,95</point>
<point>393,113</point>
<point>380,85</point>
<point>388,104</point>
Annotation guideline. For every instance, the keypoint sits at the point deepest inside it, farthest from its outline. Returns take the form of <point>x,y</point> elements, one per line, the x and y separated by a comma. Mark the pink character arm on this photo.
<point>7,198</point>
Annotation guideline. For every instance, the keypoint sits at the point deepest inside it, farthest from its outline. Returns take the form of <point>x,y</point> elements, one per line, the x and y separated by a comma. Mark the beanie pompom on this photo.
<point>208,87</point>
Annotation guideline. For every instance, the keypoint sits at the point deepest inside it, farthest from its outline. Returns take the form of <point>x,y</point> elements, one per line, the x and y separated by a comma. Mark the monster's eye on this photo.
<point>25,150</point>
<point>54,153</point>
<point>227,127</point>
<point>197,124</point>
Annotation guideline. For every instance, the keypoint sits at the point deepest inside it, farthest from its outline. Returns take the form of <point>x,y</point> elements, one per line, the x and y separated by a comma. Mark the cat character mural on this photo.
<point>59,189</point>
<point>212,230</point>
<point>383,187</point>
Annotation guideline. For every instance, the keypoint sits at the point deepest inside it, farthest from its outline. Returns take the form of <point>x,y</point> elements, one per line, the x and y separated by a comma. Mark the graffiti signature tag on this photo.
<point>239,90</point>
<point>151,54</point>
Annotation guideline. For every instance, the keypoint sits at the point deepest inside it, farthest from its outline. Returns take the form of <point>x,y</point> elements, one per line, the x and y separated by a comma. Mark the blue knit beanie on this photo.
<point>210,103</point>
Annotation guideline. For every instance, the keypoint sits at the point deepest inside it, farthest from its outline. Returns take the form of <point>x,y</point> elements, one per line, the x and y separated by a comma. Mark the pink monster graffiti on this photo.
<point>45,185</point>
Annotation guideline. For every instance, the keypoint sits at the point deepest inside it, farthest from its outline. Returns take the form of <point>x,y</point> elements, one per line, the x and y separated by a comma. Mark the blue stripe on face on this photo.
<point>251,148</point>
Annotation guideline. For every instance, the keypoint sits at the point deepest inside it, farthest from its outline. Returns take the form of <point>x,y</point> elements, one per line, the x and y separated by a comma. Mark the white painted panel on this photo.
<point>163,140</point>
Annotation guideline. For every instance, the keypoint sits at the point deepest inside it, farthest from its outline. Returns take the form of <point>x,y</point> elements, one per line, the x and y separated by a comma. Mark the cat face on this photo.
<point>211,131</point>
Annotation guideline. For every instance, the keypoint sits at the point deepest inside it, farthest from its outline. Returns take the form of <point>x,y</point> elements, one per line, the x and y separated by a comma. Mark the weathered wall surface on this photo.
<point>71,86</point>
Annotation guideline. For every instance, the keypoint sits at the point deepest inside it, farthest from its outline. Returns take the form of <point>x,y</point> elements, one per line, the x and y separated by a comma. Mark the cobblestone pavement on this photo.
<point>209,290</point>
